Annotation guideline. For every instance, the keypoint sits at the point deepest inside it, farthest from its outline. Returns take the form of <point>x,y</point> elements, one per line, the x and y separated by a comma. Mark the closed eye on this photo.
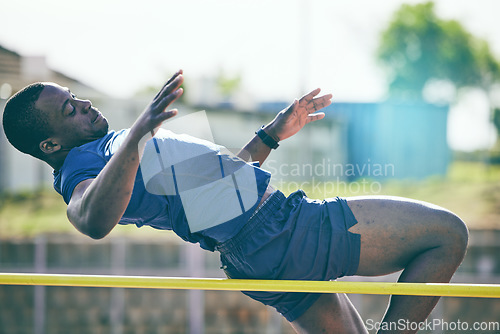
<point>73,109</point>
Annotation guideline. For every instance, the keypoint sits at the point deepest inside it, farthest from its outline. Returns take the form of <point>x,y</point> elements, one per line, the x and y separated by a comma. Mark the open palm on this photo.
<point>289,121</point>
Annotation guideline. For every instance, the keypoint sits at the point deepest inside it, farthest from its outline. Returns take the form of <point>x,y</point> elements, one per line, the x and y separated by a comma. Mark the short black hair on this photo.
<point>24,125</point>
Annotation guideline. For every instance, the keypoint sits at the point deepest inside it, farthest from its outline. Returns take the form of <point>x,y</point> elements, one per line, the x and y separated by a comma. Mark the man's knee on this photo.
<point>456,234</point>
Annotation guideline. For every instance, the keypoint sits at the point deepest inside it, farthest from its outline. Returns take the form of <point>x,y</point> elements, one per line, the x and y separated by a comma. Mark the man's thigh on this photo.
<point>331,313</point>
<point>394,230</point>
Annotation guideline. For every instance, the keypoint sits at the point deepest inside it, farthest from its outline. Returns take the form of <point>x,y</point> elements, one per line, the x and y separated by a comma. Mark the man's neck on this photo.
<point>57,159</point>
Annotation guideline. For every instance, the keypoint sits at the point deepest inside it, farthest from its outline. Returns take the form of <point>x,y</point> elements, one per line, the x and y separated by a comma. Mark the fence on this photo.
<point>42,309</point>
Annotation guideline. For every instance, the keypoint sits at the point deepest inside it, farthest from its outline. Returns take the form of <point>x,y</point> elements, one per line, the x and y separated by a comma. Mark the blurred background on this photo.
<point>415,113</point>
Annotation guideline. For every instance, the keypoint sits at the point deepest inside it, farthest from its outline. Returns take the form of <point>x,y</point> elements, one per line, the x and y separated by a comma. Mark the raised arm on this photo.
<point>97,205</point>
<point>287,122</point>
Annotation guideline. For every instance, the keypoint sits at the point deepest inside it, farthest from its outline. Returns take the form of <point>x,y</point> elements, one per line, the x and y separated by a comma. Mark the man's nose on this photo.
<point>85,105</point>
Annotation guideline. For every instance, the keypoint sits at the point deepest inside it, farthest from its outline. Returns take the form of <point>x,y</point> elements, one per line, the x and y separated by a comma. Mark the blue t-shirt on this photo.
<point>190,185</point>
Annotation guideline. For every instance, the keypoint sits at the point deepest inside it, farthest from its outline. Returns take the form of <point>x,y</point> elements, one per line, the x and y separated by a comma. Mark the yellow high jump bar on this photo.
<point>183,283</point>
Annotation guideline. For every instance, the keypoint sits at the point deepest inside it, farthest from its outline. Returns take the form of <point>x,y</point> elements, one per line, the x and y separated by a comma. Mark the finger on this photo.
<point>165,115</point>
<point>312,93</point>
<point>315,117</point>
<point>158,121</point>
<point>319,103</point>
<point>173,83</point>
<point>309,96</point>
<point>292,107</point>
<point>172,88</point>
<point>179,72</point>
<point>168,114</point>
<point>169,99</point>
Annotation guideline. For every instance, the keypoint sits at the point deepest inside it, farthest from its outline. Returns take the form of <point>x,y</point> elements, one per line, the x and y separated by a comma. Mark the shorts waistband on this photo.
<point>270,205</point>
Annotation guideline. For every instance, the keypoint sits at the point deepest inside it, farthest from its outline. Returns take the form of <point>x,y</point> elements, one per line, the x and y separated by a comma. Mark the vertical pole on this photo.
<point>304,45</point>
<point>39,297</point>
<point>118,247</point>
<point>195,262</point>
<point>3,154</point>
<point>438,314</point>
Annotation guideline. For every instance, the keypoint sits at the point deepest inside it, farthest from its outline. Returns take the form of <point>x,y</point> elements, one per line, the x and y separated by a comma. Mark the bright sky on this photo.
<point>281,47</point>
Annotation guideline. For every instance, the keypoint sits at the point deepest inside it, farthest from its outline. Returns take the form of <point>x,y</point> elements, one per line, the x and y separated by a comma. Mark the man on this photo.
<point>274,237</point>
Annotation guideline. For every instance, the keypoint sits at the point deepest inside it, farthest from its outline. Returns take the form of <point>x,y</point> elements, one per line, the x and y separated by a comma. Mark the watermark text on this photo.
<point>433,325</point>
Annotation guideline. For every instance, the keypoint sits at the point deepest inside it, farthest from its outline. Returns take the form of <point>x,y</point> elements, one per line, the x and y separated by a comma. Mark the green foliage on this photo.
<point>495,150</point>
<point>488,64</point>
<point>418,46</point>
<point>228,85</point>
<point>496,119</point>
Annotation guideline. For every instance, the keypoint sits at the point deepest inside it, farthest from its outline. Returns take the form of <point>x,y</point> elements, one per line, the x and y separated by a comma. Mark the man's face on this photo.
<point>74,122</point>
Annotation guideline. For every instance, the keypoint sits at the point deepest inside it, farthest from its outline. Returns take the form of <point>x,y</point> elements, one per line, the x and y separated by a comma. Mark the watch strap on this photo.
<point>268,140</point>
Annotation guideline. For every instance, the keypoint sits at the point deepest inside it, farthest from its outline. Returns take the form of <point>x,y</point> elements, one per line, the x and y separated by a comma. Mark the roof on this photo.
<point>19,71</point>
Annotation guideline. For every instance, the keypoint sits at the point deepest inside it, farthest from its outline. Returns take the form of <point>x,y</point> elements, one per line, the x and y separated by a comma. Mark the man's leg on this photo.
<point>427,242</point>
<point>331,313</point>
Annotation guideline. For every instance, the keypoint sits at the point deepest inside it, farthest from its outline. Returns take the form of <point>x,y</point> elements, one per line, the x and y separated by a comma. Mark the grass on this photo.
<point>29,214</point>
<point>472,190</point>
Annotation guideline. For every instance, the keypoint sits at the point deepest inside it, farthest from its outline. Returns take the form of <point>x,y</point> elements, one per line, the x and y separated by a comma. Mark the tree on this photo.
<point>418,47</point>
<point>227,85</point>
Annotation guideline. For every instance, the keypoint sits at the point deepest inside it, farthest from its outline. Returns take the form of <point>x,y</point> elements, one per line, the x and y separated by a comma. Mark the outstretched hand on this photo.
<point>291,120</point>
<point>155,113</point>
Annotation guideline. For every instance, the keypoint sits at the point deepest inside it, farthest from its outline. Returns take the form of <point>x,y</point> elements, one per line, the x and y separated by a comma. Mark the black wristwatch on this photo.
<point>268,140</point>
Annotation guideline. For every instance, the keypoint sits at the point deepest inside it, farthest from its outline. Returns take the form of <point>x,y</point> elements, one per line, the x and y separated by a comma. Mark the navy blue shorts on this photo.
<point>293,238</point>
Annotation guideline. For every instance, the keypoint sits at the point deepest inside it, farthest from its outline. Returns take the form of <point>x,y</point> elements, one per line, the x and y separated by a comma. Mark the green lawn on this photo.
<point>472,190</point>
<point>31,214</point>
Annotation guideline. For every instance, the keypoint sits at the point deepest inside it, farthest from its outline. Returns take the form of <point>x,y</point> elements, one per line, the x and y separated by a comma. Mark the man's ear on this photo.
<point>49,146</point>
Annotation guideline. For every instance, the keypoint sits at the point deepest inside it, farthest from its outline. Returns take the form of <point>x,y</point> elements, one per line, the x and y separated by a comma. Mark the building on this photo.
<point>395,140</point>
<point>18,171</point>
